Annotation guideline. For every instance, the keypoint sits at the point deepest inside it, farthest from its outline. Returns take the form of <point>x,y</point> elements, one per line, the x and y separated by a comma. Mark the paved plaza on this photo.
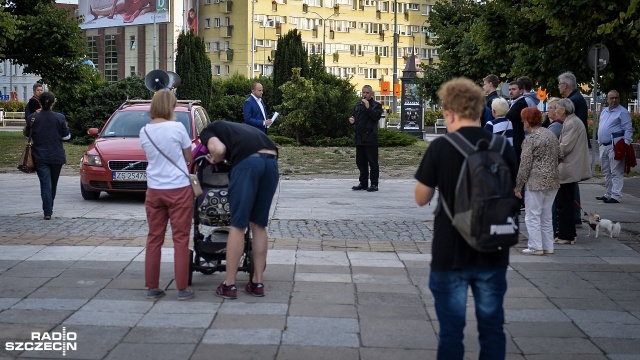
<point>346,279</point>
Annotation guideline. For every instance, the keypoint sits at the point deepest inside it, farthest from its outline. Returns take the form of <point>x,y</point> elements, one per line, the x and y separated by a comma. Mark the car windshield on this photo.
<point>129,123</point>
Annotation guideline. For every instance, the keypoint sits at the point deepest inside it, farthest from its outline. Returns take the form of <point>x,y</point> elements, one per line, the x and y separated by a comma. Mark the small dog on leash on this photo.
<point>607,226</point>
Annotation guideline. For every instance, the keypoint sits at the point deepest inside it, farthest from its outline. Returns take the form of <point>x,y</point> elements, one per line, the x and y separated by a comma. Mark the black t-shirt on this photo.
<point>241,140</point>
<point>440,168</point>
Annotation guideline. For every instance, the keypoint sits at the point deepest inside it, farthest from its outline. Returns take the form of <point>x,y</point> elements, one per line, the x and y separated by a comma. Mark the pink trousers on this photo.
<point>175,205</point>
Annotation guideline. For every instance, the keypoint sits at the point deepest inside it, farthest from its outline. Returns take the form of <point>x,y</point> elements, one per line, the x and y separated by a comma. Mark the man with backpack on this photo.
<point>468,251</point>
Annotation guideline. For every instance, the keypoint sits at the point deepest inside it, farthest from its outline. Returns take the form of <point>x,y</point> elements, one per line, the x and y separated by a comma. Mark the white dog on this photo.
<point>607,226</point>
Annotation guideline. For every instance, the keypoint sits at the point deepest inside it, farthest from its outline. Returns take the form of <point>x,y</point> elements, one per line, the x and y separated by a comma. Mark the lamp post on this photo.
<point>395,54</point>
<point>336,12</point>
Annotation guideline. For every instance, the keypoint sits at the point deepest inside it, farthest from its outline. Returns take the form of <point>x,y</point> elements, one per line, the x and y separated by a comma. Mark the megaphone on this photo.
<point>157,80</point>
<point>174,80</point>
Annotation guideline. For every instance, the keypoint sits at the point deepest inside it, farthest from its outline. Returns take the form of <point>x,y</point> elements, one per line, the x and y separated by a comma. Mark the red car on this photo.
<point>115,162</point>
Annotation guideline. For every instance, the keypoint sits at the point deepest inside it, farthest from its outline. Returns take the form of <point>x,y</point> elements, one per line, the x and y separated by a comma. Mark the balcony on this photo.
<point>226,31</point>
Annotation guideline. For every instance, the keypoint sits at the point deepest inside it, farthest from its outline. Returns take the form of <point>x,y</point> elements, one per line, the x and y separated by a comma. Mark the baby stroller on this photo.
<point>211,221</point>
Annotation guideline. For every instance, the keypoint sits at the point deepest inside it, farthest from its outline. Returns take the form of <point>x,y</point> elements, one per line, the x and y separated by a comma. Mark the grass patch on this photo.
<point>12,143</point>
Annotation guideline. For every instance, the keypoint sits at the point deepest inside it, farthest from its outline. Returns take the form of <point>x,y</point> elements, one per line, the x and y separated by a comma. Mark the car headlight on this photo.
<point>91,160</point>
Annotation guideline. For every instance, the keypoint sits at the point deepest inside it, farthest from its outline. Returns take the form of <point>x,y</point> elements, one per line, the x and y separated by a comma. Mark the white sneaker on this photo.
<point>533,252</point>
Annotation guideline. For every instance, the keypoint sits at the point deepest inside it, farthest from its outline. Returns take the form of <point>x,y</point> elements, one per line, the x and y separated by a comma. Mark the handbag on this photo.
<point>25,162</point>
<point>193,179</point>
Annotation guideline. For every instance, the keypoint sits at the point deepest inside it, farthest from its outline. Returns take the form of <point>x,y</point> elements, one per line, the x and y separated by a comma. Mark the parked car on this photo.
<point>115,161</point>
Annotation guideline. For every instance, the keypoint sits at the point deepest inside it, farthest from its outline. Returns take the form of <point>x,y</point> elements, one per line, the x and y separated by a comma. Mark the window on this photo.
<point>207,2</point>
<point>412,6</point>
<point>216,70</point>
<point>132,42</point>
<point>383,6</point>
<point>207,23</point>
<point>216,46</point>
<point>227,21</point>
<point>427,9</point>
<point>208,44</point>
<point>216,22</point>
<point>92,46</point>
<point>313,2</point>
<point>226,69</point>
<point>110,59</point>
<point>371,74</point>
<point>226,45</point>
<point>132,71</point>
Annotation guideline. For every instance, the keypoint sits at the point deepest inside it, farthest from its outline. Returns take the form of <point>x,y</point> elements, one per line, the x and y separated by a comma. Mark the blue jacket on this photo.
<point>253,115</point>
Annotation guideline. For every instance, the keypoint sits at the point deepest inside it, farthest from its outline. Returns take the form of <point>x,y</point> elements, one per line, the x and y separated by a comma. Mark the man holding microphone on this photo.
<point>365,117</point>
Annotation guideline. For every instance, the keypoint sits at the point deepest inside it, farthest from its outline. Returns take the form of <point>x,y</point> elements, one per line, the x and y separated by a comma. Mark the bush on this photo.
<point>430,117</point>
<point>635,122</point>
<point>283,140</point>
<point>390,138</point>
<point>13,105</point>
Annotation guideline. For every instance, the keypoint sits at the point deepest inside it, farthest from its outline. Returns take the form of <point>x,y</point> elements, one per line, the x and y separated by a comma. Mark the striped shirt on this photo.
<point>501,126</point>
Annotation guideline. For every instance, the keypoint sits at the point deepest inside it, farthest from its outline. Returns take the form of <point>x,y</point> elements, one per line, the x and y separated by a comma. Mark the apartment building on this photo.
<point>356,36</point>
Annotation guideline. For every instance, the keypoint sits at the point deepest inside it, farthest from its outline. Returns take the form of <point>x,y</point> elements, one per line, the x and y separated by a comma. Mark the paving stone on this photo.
<point>317,352</point>
<point>61,253</point>
<point>251,321</point>
<point>325,310</point>
<point>70,282</point>
<point>376,353</point>
<point>322,269</point>
<point>305,286</point>
<point>34,272</point>
<point>396,312</point>
<point>556,346</point>
<point>327,258</point>
<point>64,292</point>
<point>167,306</point>
<point>33,316</point>
<point>601,316</point>
<point>318,277</point>
<point>50,304</point>
<point>99,318</point>
<point>242,308</point>
<point>572,292</point>
<point>242,336</point>
<point>126,351</point>
<point>543,329</point>
<point>618,346</point>
<point>124,306</point>
<point>396,333</point>
<point>19,252</point>
<point>235,352</point>
<point>193,320</point>
<point>586,304</point>
<point>632,285</point>
<point>610,330</point>
<point>365,298</point>
<point>386,287</point>
<point>326,297</point>
<point>535,315</point>
<point>317,331</point>
<point>6,303</point>
<point>528,303</point>
<point>148,335</point>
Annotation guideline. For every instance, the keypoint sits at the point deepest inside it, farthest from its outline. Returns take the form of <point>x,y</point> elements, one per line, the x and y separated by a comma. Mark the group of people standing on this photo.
<point>547,160</point>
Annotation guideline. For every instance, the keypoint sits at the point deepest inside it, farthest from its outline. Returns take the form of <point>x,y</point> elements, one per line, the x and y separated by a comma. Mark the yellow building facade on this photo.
<point>357,36</point>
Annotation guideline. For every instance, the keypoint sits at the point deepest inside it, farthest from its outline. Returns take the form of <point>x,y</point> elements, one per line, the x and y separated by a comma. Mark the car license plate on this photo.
<point>130,176</point>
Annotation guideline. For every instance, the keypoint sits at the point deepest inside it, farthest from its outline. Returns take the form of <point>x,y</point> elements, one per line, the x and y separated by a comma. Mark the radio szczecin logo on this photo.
<point>46,341</point>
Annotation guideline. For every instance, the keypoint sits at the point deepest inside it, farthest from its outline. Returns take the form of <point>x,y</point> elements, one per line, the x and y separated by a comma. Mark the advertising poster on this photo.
<point>411,110</point>
<point>110,13</point>
<point>191,16</point>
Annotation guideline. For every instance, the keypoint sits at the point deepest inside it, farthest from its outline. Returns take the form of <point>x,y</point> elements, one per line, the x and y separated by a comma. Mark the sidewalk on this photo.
<point>346,279</point>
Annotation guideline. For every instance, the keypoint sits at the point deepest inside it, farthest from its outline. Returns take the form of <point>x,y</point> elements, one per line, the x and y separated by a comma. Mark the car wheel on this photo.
<point>89,195</point>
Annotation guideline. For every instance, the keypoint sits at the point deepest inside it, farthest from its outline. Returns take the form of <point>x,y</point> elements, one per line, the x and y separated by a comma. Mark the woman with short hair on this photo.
<point>539,173</point>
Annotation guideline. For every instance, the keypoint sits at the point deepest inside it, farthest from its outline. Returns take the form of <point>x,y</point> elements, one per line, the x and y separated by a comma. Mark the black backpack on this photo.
<point>485,209</point>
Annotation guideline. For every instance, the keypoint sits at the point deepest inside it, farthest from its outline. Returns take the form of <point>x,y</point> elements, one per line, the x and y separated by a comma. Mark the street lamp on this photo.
<point>336,12</point>
<point>394,102</point>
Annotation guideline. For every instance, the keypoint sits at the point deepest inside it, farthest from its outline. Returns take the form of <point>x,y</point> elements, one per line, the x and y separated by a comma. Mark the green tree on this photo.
<point>43,39</point>
<point>290,54</point>
<point>298,122</point>
<point>102,102</point>
<point>194,67</point>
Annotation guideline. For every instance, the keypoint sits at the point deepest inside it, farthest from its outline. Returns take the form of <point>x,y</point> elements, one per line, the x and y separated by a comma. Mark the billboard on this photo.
<point>191,16</point>
<point>111,13</point>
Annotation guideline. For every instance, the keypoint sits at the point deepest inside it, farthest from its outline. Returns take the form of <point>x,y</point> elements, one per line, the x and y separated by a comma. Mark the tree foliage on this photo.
<point>290,54</point>
<point>102,102</point>
<point>537,38</point>
<point>298,122</point>
<point>194,67</point>
<point>43,39</point>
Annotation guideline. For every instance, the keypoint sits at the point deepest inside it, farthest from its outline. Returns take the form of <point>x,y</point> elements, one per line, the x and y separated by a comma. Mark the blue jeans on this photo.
<point>48,175</point>
<point>449,289</point>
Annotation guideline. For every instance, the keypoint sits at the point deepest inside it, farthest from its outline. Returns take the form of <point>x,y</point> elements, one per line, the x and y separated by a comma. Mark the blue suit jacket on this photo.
<point>253,115</point>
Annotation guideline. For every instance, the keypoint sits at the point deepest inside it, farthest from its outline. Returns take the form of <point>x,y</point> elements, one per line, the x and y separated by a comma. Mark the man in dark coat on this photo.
<point>365,117</point>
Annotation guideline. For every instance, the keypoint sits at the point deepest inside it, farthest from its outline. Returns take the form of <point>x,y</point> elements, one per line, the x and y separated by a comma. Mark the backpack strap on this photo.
<point>498,143</point>
<point>461,144</point>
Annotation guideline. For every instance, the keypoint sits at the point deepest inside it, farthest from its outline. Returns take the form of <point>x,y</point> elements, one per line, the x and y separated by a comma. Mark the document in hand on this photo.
<point>273,118</point>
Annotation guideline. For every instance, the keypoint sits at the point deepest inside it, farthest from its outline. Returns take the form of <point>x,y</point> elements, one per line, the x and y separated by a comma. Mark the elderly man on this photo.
<point>568,87</point>
<point>615,125</point>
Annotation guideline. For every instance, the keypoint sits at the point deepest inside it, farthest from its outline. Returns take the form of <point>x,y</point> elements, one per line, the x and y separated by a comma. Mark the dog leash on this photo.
<point>577,203</point>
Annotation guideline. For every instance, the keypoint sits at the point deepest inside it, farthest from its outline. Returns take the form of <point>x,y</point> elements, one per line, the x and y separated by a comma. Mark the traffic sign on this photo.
<point>599,52</point>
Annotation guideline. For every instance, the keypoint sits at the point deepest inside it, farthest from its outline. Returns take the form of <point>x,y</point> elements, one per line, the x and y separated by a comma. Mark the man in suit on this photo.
<point>254,110</point>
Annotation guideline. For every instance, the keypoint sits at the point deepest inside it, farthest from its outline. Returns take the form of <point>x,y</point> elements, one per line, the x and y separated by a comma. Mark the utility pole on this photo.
<point>395,55</point>
<point>253,41</point>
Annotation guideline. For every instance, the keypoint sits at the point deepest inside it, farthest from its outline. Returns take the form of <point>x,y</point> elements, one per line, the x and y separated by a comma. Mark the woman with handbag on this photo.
<point>169,194</point>
<point>48,130</point>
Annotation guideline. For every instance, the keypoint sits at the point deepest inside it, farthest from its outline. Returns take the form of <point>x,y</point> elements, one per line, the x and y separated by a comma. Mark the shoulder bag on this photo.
<point>25,162</point>
<point>193,179</point>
